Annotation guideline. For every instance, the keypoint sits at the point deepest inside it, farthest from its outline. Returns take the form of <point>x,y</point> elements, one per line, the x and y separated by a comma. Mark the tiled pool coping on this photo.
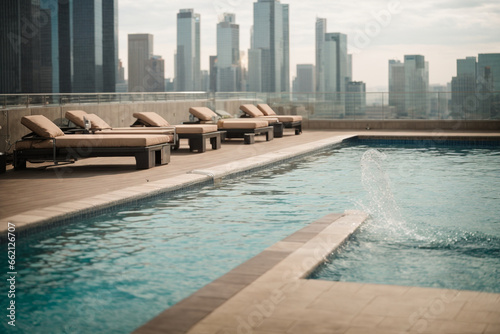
<point>286,261</point>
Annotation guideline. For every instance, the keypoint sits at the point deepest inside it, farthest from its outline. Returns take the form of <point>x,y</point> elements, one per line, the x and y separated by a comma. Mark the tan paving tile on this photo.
<point>394,323</point>
<point>364,330</point>
<point>429,326</point>
<point>301,327</point>
<point>492,329</point>
<point>366,321</point>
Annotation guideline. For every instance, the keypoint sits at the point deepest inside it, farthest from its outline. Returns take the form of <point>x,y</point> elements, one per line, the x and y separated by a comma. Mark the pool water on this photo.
<point>435,221</point>
<point>115,272</point>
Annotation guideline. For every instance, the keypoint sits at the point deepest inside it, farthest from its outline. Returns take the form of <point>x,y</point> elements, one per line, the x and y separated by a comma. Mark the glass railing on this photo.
<point>484,105</point>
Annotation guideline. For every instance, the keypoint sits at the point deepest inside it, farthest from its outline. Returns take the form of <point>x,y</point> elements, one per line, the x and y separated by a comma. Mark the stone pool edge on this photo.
<point>33,221</point>
<point>275,272</point>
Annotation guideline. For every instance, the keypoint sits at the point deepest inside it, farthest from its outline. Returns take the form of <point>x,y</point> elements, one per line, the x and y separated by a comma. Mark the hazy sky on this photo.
<point>377,30</point>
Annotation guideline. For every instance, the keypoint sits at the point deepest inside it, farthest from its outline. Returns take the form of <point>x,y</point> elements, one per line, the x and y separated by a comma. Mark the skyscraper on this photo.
<point>88,46</point>
<point>489,63</point>
<point>62,41</point>
<point>110,44</point>
<point>320,45</point>
<point>155,74</point>
<point>59,46</point>
<point>417,102</point>
<point>140,50</point>
<point>355,103</point>
<point>397,87</point>
<point>408,86</point>
<point>187,58</point>
<point>305,81</point>
<point>20,46</point>
<point>228,55</point>
<point>463,87</point>
<point>488,71</point>
<point>270,42</point>
<point>335,62</point>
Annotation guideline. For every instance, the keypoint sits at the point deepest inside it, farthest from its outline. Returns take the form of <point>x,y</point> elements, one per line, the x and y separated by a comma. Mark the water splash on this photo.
<point>382,206</point>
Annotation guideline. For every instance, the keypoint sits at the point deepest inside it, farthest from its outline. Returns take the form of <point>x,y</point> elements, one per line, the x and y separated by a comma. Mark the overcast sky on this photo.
<point>377,30</point>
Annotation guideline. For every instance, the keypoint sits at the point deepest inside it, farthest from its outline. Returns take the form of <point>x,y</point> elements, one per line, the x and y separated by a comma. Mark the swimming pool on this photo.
<point>132,264</point>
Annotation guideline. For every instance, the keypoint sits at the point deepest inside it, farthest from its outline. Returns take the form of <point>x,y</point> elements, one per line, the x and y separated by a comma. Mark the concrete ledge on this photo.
<point>403,125</point>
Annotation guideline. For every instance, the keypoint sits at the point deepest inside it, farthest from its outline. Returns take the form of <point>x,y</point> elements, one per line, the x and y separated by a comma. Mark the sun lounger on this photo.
<point>264,111</point>
<point>237,127</point>
<point>49,143</point>
<point>196,134</point>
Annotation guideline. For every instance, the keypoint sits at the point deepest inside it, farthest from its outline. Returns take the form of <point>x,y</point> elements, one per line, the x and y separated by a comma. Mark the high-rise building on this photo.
<point>60,46</point>
<point>305,81</point>
<point>397,87</point>
<point>408,87</point>
<point>62,43</point>
<point>270,42</point>
<point>20,46</point>
<point>463,87</point>
<point>140,50</point>
<point>88,46</point>
<point>155,74</point>
<point>213,74</point>
<point>228,55</point>
<point>320,45</point>
<point>488,72</point>
<point>110,44</point>
<point>335,62</point>
<point>355,103</point>
<point>187,58</point>
<point>417,102</point>
<point>488,65</point>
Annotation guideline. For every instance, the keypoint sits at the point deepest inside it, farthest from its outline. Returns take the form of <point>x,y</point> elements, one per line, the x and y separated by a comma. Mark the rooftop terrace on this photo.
<point>37,198</point>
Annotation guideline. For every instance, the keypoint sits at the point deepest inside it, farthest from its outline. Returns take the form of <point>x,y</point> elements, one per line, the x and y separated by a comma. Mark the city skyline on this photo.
<point>377,31</point>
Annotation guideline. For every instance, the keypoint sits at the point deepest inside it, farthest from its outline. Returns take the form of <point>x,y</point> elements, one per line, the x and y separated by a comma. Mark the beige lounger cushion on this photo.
<point>202,113</point>
<point>97,123</point>
<point>232,124</point>
<point>251,110</point>
<point>76,116</point>
<point>87,141</point>
<point>266,109</point>
<point>27,144</point>
<point>42,126</point>
<point>286,118</point>
<point>195,128</point>
<point>151,118</point>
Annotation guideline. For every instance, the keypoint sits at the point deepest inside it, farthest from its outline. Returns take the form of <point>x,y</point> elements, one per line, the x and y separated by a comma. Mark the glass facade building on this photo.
<point>88,46</point>
<point>271,37</point>
<point>53,46</point>
<point>110,44</point>
<point>228,55</point>
<point>187,58</point>
<point>140,50</point>
<point>20,46</point>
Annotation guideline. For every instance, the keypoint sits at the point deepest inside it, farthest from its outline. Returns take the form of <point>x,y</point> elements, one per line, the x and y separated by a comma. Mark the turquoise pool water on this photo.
<point>435,221</point>
<point>115,272</point>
